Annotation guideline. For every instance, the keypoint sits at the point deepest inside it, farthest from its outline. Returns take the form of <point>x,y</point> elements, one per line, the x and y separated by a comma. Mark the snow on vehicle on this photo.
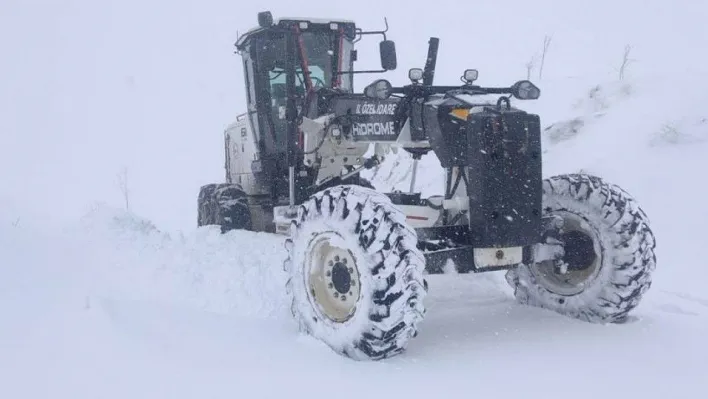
<point>357,258</point>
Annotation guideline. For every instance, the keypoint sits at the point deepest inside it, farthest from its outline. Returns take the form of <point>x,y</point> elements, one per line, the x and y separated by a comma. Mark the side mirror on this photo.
<point>525,90</point>
<point>265,19</point>
<point>387,50</point>
<point>379,89</point>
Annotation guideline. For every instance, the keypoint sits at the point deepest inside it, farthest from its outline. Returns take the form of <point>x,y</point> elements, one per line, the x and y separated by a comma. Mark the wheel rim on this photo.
<point>333,279</point>
<point>581,264</point>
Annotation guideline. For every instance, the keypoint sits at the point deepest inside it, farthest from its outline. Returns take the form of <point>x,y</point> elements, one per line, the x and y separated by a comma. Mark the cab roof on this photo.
<point>287,21</point>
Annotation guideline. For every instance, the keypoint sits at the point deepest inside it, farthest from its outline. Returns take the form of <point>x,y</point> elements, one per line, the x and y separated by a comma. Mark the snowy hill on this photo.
<point>99,302</point>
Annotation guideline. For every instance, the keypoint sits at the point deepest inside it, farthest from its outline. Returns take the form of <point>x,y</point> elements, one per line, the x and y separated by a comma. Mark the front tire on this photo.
<point>609,253</point>
<point>355,273</point>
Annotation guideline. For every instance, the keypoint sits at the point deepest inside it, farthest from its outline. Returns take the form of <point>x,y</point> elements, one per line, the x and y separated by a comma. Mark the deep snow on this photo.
<point>116,309</point>
<point>97,302</point>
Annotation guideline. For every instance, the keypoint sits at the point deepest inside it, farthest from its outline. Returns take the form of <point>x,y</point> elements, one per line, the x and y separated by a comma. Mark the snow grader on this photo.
<point>357,259</point>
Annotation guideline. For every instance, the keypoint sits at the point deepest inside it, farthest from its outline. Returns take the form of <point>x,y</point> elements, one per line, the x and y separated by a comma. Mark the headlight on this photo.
<point>470,75</point>
<point>525,90</point>
<point>415,74</point>
<point>380,89</point>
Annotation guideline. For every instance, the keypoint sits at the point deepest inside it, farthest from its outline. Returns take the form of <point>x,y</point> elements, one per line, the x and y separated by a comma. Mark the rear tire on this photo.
<point>609,253</point>
<point>224,205</point>
<point>355,274</point>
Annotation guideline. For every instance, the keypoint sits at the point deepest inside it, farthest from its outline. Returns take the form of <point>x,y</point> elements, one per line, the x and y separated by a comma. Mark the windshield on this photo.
<point>277,76</point>
<point>319,51</point>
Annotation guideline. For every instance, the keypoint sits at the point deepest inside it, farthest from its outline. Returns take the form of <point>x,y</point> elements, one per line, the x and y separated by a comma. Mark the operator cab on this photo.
<point>320,57</point>
<point>287,63</point>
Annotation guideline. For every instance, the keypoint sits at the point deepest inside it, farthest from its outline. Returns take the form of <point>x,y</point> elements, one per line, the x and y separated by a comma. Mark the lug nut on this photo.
<point>336,294</point>
<point>330,285</point>
<point>351,270</point>
<point>329,273</point>
<point>336,258</point>
<point>344,298</point>
<point>344,261</point>
<point>331,263</point>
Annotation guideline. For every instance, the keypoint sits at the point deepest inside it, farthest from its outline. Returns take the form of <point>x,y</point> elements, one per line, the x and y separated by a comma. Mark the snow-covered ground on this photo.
<point>100,303</point>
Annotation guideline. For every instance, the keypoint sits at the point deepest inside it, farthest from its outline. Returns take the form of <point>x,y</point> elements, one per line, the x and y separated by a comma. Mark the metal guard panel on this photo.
<point>505,179</point>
